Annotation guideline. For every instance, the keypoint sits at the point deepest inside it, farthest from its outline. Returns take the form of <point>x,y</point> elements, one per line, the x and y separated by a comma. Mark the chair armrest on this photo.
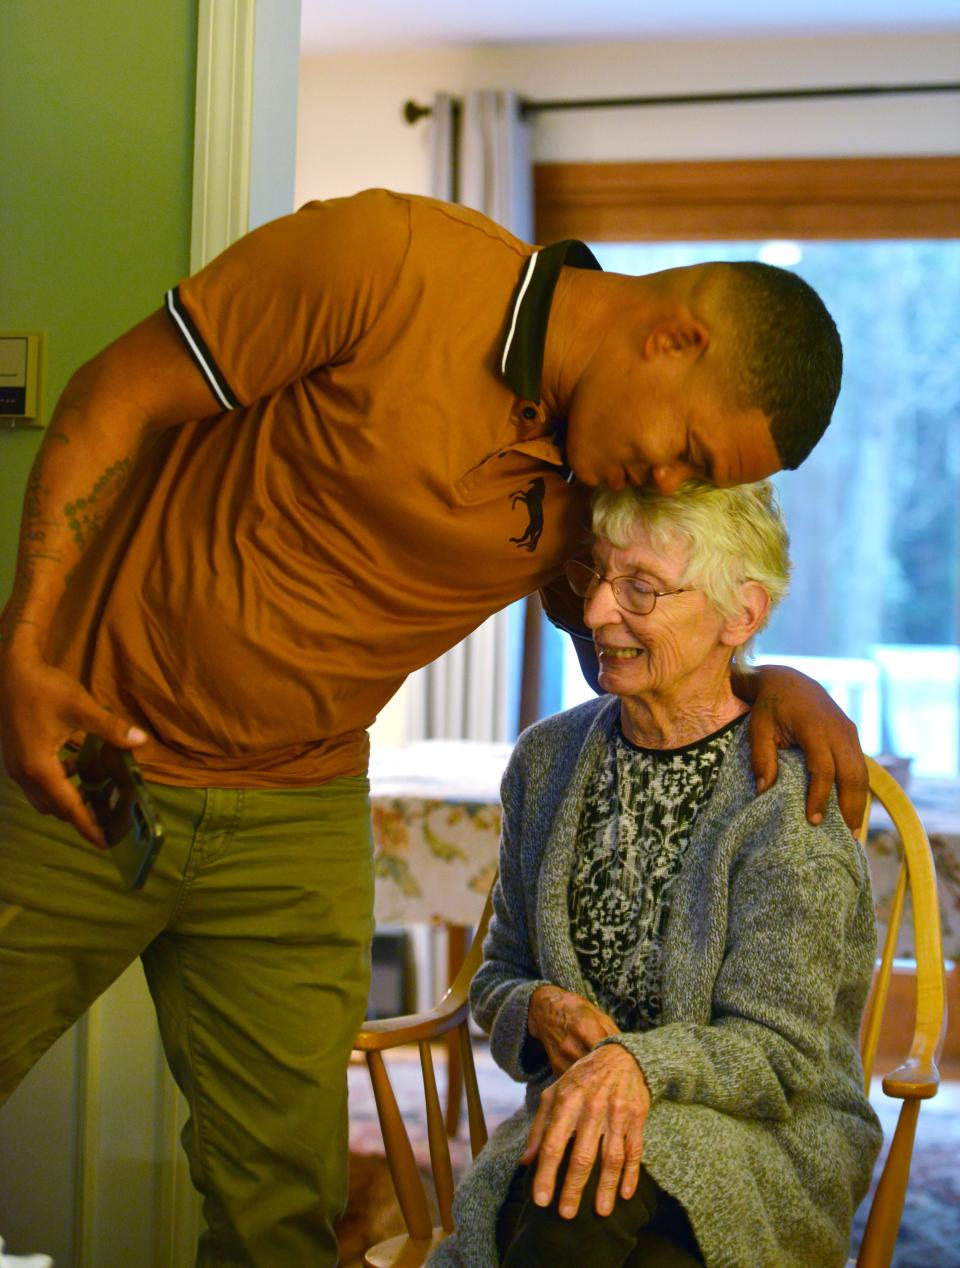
<point>917,1079</point>
<point>454,1008</point>
<point>391,1032</point>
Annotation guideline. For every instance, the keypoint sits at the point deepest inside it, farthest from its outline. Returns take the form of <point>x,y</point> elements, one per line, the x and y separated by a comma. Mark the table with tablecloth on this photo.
<point>436,829</point>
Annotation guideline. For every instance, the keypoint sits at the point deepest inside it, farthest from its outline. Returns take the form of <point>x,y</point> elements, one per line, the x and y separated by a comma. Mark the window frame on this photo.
<point>710,200</point>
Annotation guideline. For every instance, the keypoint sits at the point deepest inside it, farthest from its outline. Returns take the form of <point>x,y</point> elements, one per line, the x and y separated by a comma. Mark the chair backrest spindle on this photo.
<point>478,1126</point>
<point>437,1139</point>
<point>876,1006</point>
<point>411,1194</point>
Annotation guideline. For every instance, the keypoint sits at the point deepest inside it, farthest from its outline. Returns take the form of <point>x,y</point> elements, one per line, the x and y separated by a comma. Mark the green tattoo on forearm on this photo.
<point>32,505</point>
<point>86,515</point>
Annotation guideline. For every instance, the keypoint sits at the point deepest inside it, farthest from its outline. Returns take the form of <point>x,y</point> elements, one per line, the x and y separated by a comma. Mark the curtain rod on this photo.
<point>413,111</point>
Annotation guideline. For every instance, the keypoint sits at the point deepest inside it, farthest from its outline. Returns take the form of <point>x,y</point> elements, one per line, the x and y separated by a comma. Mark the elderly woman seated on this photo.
<point>675,967</point>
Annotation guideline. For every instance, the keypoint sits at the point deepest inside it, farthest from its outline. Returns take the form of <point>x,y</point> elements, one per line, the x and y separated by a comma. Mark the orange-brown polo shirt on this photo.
<point>380,480</point>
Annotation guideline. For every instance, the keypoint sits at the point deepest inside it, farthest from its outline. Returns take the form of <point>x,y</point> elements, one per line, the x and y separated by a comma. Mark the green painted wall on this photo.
<point>96,138</point>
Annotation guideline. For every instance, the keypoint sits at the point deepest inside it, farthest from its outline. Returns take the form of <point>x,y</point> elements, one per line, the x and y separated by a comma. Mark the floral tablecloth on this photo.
<point>436,831</point>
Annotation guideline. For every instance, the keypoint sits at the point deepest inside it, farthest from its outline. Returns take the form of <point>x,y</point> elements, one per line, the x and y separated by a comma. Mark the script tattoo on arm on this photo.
<point>46,548</point>
<point>34,525</point>
<point>34,548</point>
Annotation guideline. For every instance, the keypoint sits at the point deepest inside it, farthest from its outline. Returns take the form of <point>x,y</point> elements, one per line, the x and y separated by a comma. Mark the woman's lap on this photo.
<point>649,1229</point>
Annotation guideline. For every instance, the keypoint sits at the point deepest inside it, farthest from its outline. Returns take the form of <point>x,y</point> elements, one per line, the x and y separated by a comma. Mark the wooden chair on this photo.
<point>916,1080</point>
<point>450,1016</point>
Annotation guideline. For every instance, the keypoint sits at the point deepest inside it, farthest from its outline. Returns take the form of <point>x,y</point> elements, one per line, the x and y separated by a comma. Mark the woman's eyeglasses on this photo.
<point>632,595</point>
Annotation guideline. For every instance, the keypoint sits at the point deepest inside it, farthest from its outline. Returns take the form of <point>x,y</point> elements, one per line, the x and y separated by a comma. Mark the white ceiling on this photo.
<point>377,25</point>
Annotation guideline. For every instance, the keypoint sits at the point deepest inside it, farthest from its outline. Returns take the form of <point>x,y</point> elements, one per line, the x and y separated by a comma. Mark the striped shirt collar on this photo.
<point>522,360</point>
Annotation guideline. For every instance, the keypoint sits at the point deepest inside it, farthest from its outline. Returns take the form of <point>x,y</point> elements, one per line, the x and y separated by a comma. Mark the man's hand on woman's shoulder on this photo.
<point>790,710</point>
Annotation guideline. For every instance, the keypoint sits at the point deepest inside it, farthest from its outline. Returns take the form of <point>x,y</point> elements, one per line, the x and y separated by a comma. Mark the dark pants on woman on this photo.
<point>649,1229</point>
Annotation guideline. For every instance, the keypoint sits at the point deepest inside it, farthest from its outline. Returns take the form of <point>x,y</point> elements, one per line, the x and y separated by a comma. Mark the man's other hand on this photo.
<point>40,709</point>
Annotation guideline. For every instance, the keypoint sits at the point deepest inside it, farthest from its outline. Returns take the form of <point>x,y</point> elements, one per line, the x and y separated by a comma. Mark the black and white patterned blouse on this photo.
<point>638,810</point>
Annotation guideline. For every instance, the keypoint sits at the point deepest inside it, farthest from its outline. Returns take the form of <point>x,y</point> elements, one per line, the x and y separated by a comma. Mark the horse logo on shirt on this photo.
<point>532,499</point>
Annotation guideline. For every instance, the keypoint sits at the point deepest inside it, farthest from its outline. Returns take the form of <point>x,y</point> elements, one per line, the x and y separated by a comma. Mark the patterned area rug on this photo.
<point>929,1232</point>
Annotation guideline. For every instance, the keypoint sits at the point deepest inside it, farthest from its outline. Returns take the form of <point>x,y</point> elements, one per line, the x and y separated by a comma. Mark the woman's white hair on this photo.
<point>732,536</point>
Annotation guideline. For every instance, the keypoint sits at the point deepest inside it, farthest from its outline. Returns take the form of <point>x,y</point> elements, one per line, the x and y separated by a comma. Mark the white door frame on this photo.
<point>244,164</point>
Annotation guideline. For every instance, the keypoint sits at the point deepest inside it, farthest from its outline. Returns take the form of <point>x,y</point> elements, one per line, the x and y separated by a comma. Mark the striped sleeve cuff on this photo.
<point>199,351</point>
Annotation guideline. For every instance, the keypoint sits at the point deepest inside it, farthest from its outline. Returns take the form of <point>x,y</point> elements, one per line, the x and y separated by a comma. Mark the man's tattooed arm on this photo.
<point>68,496</point>
<point>33,549</point>
<point>141,384</point>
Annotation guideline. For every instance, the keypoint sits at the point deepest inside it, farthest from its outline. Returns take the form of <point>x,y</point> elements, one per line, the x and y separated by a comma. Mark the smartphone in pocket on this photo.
<point>114,789</point>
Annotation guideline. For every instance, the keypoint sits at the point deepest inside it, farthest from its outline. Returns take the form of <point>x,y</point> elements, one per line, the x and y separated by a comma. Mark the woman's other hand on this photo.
<point>603,1101</point>
<point>567,1025</point>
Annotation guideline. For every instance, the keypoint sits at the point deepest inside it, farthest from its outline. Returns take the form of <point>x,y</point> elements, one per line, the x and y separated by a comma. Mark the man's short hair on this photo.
<point>787,355</point>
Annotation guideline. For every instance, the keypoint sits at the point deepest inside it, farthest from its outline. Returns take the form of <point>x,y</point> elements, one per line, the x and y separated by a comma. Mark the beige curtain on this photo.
<point>479,155</point>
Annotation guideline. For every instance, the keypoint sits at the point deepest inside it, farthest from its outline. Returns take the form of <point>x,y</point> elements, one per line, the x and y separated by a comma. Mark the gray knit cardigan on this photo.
<point>758,1124</point>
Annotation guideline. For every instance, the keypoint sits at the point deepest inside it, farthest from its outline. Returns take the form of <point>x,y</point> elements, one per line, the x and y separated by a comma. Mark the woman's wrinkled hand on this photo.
<point>567,1025</point>
<point>602,1101</point>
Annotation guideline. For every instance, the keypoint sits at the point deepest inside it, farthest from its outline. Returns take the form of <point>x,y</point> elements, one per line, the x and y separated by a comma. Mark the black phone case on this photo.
<point>113,787</point>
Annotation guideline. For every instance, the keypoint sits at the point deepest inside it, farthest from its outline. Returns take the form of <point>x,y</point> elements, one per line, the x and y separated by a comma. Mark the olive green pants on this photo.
<point>254,930</point>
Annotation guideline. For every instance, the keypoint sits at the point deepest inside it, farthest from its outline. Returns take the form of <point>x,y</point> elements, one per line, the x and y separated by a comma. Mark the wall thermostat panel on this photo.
<point>22,374</point>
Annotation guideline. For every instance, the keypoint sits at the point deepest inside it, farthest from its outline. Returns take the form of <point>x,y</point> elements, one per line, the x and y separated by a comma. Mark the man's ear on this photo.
<point>754,606</point>
<point>680,336</point>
